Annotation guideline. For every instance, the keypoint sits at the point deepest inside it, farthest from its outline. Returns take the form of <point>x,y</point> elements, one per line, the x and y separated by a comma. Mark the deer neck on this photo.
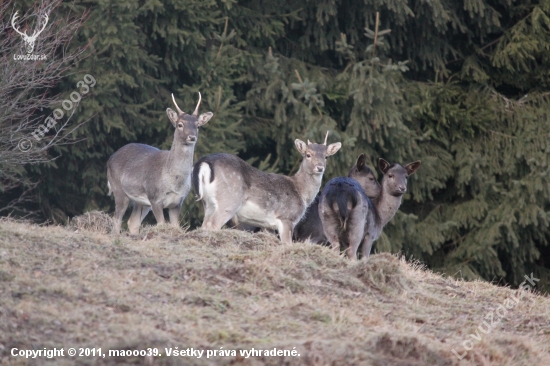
<point>180,157</point>
<point>308,185</point>
<point>387,205</point>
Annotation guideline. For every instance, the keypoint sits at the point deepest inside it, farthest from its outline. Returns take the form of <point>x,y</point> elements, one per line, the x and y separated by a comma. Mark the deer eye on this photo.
<point>308,155</point>
<point>390,175</point>
<point>371,179</point>
<point>180,125</point>
<point>326,157</point>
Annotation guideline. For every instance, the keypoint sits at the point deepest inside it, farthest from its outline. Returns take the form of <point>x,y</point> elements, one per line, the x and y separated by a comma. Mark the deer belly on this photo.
<point>252,214</point>
<point>172,200</point>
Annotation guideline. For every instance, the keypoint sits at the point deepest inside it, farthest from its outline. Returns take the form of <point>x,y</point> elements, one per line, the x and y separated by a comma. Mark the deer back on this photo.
<point>229,181</point>
<point>342,197</point>
<point>311,227</point>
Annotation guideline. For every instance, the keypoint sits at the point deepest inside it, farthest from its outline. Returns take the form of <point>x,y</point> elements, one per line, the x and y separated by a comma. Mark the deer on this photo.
<point>231,188</point>
<point>311,228</point>
<point>154,179</point>
<point>350,217</point>
<point>29,40</point>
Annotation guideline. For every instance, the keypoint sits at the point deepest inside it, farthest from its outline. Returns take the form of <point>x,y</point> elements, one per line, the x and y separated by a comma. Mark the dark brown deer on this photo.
<point>311,228</point>
<point>229,187</point>
<point>349,217</point>
<point>152,178</point>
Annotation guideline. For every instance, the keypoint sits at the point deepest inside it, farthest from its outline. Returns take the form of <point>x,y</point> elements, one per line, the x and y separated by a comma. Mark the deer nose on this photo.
<point>191,138</point>
<point>320,168</point>
<point>402,189</point>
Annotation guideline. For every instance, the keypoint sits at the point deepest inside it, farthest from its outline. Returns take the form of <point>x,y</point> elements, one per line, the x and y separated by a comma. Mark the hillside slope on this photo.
<point>170,288</point>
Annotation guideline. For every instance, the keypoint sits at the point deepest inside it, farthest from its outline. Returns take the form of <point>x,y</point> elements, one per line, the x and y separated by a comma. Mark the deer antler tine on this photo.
<point>198,104</point>
<point>326,137</point>
<point>14,27</point>
<point>35,34</point>
<point>178,108</point>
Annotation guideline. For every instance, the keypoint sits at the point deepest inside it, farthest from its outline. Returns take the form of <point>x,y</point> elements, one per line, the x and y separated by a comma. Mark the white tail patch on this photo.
<point>204,178</point>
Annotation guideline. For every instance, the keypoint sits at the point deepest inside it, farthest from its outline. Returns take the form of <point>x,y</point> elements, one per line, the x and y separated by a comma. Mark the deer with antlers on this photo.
<point>231,188</point>
<point>152,178</point>
<point>29,40</point>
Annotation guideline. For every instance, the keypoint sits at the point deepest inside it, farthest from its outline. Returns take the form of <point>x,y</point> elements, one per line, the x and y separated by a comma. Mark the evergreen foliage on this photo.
<point>462,86</point>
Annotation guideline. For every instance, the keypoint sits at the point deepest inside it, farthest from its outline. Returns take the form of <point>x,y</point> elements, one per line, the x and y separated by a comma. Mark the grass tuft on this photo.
<point>93,221</point>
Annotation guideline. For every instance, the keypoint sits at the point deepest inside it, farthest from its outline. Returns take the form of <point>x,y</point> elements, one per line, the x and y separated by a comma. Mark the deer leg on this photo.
<point>138,214</point>
<point>330,221</point>
<point>367,246</point>
<point>355,232</point>
<point>219,218</point>
<point>159,214</point>
<point>330,228</point>
<point>218,208</point>
<point>331,232</point>
<point>174,214</point>
<point>121,204</point>
<point>210,207</point>
<point>285,231</point>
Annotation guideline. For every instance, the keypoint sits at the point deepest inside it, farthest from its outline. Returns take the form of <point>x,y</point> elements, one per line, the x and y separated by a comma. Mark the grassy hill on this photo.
<point>66,287</point>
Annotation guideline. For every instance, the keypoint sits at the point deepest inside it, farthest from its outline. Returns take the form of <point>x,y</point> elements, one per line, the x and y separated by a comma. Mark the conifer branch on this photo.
<point>375,33</point>
<point>491,43</point>
<point>223,36</point>
<point>298,76</point>
<point>313,100</point>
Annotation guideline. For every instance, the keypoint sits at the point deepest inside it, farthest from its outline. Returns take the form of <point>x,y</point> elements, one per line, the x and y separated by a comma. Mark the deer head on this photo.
<point>187,125</point>
<point>29,40</point>
<point>315,155</point>
<point>365,176</point>
<point>395,176</point>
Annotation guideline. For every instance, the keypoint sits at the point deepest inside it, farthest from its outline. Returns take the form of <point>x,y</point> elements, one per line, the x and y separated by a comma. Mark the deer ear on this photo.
<point>301,146</point>
<point>361,162</point>
<point>383,165</point>
<point>204,118</point>
<point>172,115</point>
<point>333,148</point>
<point>412,167</point>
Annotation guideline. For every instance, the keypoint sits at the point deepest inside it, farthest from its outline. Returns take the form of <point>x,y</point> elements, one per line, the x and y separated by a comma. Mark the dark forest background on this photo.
<point>463,86</point>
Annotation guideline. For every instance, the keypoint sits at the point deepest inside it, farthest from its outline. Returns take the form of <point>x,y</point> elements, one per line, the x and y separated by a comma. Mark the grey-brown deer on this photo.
<point>310,226</point>
<point>229,187</point>
<point>351,218</point>
<point>152,178</point>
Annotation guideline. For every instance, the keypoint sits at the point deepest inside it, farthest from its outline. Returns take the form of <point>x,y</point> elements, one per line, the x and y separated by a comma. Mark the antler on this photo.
<point>326,137</point>
<point>309,143</point>
<point>13,25</point>
<point>35,34</point>
<point>178,108</point>
<point>198,104</point>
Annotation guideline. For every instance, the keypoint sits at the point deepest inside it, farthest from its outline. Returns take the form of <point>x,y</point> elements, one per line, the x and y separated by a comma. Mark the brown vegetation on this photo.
<point>76,287</point>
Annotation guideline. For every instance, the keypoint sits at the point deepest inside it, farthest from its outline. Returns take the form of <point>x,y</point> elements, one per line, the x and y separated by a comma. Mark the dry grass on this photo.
<point>95,221</point>
<point>173,288</point>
